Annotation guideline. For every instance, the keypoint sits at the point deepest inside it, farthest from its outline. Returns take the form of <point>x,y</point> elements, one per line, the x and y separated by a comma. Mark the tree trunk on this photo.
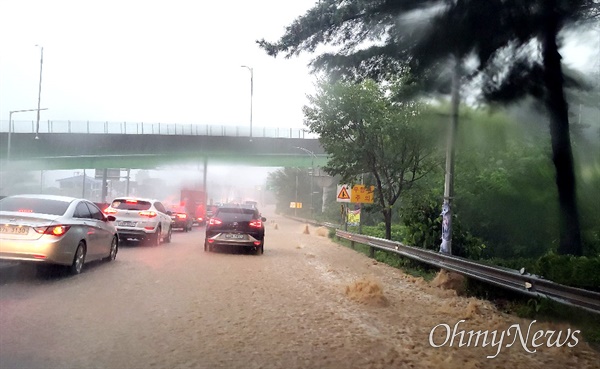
<point>562,156</point>
<point>387,217</point>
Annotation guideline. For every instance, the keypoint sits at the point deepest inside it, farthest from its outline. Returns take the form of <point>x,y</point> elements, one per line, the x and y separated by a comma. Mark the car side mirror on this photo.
<point>111,218</point>
<point>263,219</point>
<point>169,212</point>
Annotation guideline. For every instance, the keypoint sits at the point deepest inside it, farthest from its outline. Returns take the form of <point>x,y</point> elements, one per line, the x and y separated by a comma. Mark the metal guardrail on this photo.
<point>514,280</point>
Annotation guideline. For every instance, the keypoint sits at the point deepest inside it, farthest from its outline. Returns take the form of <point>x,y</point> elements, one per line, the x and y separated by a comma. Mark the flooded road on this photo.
<point>305,303</point>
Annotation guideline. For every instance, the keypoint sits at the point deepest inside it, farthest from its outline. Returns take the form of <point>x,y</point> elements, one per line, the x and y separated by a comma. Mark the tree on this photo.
<point>427,34</point>
<point>290,185</point>
<point>365,132</point>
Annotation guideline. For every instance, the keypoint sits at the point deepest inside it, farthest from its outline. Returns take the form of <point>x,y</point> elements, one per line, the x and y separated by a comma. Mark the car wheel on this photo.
<point>168,237</point>
<point>78,259</point>
<point>155,238</point>
<point>114,248</point>
<point>207,246</point>
<point>260,249</point>
<point>186,228</point>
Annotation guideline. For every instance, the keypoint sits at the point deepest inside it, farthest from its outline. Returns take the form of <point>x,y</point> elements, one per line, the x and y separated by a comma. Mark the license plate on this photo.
<point>235,236</point>
<point>127,224</point>
<point>14,230</point>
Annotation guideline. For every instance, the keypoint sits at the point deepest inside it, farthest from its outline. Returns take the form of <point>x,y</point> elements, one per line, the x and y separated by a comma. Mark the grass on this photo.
<point>411,267</point>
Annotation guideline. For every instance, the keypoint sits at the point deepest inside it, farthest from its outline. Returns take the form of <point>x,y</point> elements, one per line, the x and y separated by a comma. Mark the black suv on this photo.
<point>235,225</point>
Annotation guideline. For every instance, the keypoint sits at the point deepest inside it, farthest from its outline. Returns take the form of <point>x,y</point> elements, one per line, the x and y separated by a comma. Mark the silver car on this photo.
<point>46,229</point>
<point>141,219</point>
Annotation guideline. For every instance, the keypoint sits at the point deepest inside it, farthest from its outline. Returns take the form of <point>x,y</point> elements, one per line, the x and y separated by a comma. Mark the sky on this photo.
<point>175,61</point>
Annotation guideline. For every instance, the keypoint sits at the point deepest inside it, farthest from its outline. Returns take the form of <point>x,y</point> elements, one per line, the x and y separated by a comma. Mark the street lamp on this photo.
<point>251,94</point>
<point>37,127</point>
<point>312,175</point>
<point>10,128</point>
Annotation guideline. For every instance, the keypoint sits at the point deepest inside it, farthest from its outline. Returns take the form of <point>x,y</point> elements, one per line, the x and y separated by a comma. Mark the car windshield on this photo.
<point>227,214</point>
<point>34,205</point>
<point>124,204</point>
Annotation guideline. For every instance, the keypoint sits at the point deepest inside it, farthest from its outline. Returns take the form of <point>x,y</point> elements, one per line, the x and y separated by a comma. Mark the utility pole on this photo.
<point>37,127</point>
<point>251,94</point>
<point>446,245</point>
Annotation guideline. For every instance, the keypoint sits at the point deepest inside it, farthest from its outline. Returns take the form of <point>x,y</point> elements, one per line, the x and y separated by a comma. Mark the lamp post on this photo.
<point>312,175</point>
<point>10,128</point>
<point>296,200</point>
<point>251,94</point>
<point>37,126</point>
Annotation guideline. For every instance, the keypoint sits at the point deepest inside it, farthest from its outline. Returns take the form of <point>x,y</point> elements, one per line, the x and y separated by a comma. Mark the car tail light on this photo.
<point>25,211</point>
<point>110,211</point>
<point>55,230</point>
<point>214,221</point>
<point>256,223</point>
<point>131,201</point>
<point>149,214</point>
<point>181,216</point>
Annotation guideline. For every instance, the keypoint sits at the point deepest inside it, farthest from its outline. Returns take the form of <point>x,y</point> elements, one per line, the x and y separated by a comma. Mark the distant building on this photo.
<point>73,186</point>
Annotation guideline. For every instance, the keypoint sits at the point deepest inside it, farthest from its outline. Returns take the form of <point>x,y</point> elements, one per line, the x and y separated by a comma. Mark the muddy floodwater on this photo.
<point>305,303</point>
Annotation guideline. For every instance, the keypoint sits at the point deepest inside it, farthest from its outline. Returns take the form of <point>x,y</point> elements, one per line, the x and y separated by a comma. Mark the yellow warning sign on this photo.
<point>343,193</point>
<point>362,194</point>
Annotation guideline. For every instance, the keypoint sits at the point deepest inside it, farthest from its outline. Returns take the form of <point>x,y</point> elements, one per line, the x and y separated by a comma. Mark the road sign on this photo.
<point>295,205</point>
<point>111,173</point>
<point>343,193</point>
<point>362,194</point>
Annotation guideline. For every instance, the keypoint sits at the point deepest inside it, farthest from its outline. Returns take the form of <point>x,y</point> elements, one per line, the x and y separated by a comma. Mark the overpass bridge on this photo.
<point>98,145</point>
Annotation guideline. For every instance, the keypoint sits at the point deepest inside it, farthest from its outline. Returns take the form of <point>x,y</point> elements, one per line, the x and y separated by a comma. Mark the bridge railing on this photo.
<point>95,127</point>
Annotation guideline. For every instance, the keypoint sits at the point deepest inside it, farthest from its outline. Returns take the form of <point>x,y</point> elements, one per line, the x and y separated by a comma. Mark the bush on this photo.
<point>580,272</point>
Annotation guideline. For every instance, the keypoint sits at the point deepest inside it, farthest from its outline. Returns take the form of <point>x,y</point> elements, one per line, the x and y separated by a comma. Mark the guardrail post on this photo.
<point>69,129</point>
<point>352,246</point>
<point>88,128</point>
<point>371,252</point>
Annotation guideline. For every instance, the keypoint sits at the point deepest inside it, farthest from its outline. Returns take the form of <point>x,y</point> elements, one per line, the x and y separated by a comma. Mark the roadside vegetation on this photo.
<point>526,174</point>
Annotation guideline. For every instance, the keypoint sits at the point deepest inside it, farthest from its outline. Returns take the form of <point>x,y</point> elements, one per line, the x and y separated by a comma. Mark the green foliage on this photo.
<point>496,35</point>
<point>378,231</point>
<point>367,134</point>
<point>412,267</point>
<point>291,185</point>
<point>581,272</point>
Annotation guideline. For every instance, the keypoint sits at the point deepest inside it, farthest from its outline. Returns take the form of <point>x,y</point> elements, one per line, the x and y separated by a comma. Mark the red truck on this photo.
<point>194,202</point>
